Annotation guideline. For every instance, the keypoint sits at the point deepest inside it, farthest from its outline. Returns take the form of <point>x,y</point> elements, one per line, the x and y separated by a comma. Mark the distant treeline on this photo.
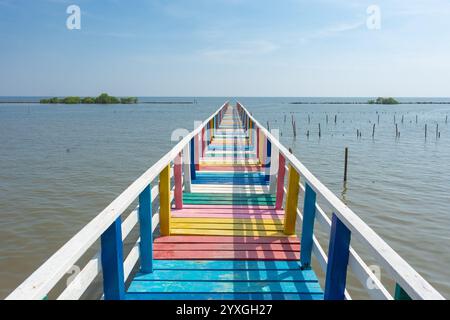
<point>104,98</point>
<point>382,101</point>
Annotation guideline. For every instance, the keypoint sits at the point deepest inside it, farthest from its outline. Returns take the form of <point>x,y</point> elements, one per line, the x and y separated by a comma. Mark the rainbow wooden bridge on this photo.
<point>227,214</point>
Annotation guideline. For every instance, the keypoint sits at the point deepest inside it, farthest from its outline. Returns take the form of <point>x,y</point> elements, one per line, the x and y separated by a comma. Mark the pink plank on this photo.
<point>231,211</point>
<point>178,173</point>
<point>225,247</point>
<point>227,158</point>
<point>226,255</point>
<point>280,182</point>
<point>216,207</point>
<point>225,215</point>
<point>227,239</point>
<point>232,168</point>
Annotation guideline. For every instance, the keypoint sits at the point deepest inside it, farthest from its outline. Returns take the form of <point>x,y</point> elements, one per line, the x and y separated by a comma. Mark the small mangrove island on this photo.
<point>104,98</point>
<point>381,100</point>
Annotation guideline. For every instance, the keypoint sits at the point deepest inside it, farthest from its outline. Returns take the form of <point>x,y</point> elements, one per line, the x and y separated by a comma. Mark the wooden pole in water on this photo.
<point>335,119</point>
<point>320,132</point>
<point>426,129</point>
<point>417,118</point>
<point>446,119</point>
<point>437,130</point>
<point>396,130</point>
<point>373,131</point>
<point>378,119</point>
<point>346,165</point>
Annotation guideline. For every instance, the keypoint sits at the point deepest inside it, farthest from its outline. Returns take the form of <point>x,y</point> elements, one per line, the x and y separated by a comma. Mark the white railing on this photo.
<point>108,222</point>
<point>346,222</point>
<point>44,279</point>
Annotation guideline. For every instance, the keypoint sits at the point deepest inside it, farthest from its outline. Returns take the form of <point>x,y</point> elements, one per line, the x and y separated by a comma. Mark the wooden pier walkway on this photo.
<point>229,213</point>
<point>227,241</point>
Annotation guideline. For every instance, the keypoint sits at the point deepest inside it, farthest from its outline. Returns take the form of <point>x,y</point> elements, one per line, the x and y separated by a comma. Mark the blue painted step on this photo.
<point>226,280</point>
<point>230,181</point>
<point>224,296</point>
<point>231,174</point>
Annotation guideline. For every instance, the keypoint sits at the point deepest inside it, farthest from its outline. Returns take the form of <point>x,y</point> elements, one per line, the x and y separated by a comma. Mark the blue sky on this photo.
<point>225,48</point>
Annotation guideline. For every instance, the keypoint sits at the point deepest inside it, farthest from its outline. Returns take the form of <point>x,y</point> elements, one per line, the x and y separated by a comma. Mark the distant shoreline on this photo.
<point>419,102</point>
<point>90,104</point>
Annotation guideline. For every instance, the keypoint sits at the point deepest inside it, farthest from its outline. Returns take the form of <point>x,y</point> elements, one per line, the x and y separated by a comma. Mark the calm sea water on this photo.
<point>61,165</point>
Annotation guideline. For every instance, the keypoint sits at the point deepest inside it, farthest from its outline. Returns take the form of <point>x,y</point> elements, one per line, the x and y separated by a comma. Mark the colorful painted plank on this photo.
<point>227,241</point>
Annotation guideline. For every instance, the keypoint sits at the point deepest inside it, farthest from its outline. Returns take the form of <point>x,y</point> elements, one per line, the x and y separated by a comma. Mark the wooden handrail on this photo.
<point>39,283</point>
<point>408,278</point>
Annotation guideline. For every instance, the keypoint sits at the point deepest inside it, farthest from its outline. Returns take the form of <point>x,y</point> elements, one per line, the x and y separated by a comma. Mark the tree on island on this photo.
<point>381,100</point>
<point>104,98</point>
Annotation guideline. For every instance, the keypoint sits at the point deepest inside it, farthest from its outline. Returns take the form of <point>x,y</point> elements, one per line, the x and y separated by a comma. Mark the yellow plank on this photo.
<point>261,146</point>
<point>164,198</point>
<point>273,221</point>
<point>236,233</point>
<point>224,162</point>
<point>228,226</point>
<point>290,215</point>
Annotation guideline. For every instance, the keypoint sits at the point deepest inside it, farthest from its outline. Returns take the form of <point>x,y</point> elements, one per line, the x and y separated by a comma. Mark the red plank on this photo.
<point>225,247</point>
<point>226,255</point>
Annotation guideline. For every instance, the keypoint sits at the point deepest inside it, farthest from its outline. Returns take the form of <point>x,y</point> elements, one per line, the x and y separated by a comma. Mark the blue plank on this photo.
<point>240,182</point>
<point>227,156</point>
<point>269,155</point>
<point>223,287</point>
<point>229,275</point>
<point>309,214</point>
<point>232,135</point>
<point>224,296</point>
<point>229,177</point>
<point>145,227</point>
<point>112,262</point>
<point>338,254</point>
<point>231,174</point>
<point>216,147</point>
<point>192,158</point>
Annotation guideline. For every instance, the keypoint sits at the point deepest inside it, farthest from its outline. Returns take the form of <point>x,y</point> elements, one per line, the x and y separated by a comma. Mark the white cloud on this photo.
<point>332,31</point>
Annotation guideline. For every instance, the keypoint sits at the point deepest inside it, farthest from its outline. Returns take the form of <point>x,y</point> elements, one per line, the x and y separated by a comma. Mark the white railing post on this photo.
<point>187,168</point>
<point>274,169</point>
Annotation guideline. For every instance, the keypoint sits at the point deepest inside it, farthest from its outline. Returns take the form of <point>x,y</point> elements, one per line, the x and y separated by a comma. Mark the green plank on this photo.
<point>231,202</point>
<point>227,196</point>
